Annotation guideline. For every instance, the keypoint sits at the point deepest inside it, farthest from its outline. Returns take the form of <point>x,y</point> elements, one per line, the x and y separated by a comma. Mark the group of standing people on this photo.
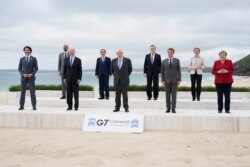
<point>169,70</point>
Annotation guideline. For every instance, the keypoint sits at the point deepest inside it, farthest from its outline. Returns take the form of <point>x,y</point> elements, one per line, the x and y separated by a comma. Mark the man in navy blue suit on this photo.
<point>72,78</point>
<point>28,68</point>
<point>102,71</point>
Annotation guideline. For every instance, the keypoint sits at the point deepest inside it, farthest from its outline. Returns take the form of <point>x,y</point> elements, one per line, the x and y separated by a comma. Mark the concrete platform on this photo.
<point>155,119</point>
<point>139,103</point>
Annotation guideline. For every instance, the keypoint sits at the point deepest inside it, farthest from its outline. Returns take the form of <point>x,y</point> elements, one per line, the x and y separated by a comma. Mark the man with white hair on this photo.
<point>61,60</point>
<point>121,68</point>
<point>72,78</point>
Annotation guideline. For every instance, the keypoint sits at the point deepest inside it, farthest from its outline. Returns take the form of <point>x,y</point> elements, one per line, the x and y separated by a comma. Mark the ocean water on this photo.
<point>12,77</point>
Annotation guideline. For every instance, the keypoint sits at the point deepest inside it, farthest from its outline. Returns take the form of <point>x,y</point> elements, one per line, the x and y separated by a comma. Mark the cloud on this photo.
<point>130,25</point>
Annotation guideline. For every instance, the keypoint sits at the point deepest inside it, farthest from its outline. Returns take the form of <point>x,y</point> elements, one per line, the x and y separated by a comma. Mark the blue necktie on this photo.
<point>120,64</point>
<point>71,62</point>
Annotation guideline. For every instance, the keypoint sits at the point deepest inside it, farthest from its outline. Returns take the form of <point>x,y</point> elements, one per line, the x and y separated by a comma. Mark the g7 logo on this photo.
<point>102,122</point>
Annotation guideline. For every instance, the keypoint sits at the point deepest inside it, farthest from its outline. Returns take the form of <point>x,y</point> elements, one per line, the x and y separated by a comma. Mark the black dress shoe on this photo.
<point>107,98</point>
<point>155,98</point>
<point>69,108</point>
<point>126,110</point>
<point>21,108</point>
<point>173,111</point>
<point>100,98</point>
<point>149,98</point>
<point>193,99</point>
<point>219,111</point>
<point>63,97</point>
<point>76,109</point>
<point>198,99</point>
<point>116,110</point>
<point>168,110</point>
<point>34,108</point>
<point>228,112</point>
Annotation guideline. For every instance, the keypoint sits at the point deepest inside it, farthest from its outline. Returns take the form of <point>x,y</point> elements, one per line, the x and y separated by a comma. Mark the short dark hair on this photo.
<point>171,49</point>
<point>197,49</point>
<point>152,46</point>
<point>27,47</point>
<point>103,50</point>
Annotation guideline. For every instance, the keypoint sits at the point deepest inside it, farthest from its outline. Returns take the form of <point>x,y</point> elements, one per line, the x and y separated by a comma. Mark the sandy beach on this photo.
<point>66,147</point>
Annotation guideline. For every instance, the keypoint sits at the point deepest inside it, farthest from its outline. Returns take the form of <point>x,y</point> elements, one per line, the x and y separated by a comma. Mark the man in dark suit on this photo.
<point>152,69</point>
<point>28,68</point>
<point>121,68</point>
<point>171,78</point>
<point>61,60</point>
<point>102,71</point>
<point>72,78</point>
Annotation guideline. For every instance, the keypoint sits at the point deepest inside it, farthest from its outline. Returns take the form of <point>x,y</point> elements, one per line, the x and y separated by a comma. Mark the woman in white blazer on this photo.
<point>196,67</point>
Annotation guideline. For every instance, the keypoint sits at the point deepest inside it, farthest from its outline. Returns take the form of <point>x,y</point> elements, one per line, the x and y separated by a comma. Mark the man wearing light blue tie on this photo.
<point>72,78</point>
<point>102,71</point>
<point>121,68</point>
<point>28,68</point>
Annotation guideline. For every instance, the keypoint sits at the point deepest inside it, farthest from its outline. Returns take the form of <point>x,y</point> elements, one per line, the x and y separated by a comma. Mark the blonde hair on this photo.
<point>119,51</point>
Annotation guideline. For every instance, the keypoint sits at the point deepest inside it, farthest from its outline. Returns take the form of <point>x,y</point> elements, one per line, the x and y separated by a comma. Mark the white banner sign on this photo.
<point>116,122</point>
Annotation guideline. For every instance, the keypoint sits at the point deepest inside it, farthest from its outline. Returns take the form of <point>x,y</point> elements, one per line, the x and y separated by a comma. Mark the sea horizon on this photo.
<point>9,77</point>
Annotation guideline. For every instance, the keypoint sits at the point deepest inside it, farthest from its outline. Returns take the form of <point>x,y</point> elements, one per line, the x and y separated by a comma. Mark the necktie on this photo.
<point>71,62</point>
<point>170,63</point>
<point>120,64</point>
<point>65,55</point>
<point>103,60</point>
<point>27,60</point>
<point>152,59</point>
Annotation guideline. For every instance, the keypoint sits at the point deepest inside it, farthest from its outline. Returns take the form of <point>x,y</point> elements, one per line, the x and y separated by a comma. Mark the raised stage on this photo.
<point>190,116</point>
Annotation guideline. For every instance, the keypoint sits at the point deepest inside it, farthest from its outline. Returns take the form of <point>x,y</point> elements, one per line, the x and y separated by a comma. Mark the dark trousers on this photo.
<point>155,80</point>
<point>72,90</point>
<point>104,86</point>
<point>196,85</point>
<point>171,93</point>
<point>121,89</point>
<point>64,87</point>
<point>223,89</point>
<point>24,84</point>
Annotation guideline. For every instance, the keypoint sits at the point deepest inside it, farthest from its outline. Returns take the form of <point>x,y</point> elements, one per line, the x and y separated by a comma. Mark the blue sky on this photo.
<point>130,25</point>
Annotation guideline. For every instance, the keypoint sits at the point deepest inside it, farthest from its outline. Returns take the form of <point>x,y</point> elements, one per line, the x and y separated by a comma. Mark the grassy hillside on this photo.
<point>242,67</point>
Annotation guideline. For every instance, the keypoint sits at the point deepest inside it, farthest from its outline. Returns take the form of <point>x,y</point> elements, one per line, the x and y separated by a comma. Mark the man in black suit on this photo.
<point>28,68</point>
<point>152,69</point>
<point>121,68</point>
<point>72,77</point>
<point>102,71</point>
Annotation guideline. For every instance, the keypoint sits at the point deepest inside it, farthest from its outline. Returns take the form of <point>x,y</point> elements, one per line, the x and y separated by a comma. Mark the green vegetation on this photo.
<point>132,88</point>
<point>16,88</point>
<point>245,59</point>
<point>142,88</point>
<point>242,67</point>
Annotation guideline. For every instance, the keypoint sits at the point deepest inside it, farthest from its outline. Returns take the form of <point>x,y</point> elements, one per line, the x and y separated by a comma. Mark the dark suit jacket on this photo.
<point>152,69</point>
<point>73,73</point>
<point>121,76</point>
<point>171,74</point>
<point>28,68</point>
<point>103,68</point>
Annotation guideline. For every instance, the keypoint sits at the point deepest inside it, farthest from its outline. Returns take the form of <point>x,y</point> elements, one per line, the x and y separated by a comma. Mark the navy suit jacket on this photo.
<point>121,75</point>
<point>103,68</point>
<point>28,68</point>
<point>152,69</point>
<point>73,73</point>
